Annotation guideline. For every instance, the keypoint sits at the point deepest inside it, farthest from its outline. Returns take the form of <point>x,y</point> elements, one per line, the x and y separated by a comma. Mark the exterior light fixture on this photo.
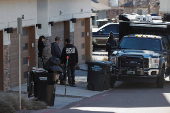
<point>38,25</point>
<point>74,20</point>
<point>60,12</point>
<point>51,23</point>
<point>9,30</point>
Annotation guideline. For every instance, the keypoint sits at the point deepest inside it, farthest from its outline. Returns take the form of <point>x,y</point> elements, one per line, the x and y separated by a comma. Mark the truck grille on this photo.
<point>133,62</point>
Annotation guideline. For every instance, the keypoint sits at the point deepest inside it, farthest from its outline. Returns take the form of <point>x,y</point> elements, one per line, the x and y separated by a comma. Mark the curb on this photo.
<point>83,70</point>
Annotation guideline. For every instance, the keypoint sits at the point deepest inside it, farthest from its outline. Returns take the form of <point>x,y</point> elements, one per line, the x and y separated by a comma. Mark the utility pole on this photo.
<point>132,6</point>
<point>19,32</point>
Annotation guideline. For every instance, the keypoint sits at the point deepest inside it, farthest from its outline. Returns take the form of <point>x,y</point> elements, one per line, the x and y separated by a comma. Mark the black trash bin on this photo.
<point>45,86</point>
<point>43,82</point>
<point>99,75</point>
<point>30,85</point>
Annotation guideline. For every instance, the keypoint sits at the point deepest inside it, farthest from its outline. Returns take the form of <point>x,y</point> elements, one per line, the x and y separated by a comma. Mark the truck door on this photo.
<point>166,46</point>
<point>105,31</point>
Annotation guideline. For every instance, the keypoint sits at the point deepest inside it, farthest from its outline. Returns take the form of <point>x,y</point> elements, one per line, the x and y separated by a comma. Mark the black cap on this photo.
<point>111,33</point>
<point>67,40</point>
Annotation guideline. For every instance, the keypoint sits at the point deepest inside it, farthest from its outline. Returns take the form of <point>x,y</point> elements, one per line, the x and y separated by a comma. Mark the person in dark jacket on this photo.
<point>71,51</point>
<point>55,49</point>
<point>111,43</point>
<point>40,51</point>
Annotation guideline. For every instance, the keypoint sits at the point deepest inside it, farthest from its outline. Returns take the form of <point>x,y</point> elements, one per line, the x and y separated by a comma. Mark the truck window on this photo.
<point>165,42</point>
<point>141,43</point>
<point>111,28</point>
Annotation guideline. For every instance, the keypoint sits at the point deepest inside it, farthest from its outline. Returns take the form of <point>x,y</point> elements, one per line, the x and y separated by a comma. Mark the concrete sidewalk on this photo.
<point>73,94</point>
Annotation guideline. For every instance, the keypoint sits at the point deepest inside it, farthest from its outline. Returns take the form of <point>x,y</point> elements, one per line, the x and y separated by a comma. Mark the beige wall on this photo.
<point>68,7</point>
<point>79,40</point>
<point>10,10</point>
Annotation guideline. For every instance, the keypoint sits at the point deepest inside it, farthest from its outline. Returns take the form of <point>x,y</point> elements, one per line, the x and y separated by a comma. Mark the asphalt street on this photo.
<point>124,98</point>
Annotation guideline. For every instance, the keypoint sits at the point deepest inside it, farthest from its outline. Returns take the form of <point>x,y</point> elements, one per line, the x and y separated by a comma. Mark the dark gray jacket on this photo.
<point>55,50</point>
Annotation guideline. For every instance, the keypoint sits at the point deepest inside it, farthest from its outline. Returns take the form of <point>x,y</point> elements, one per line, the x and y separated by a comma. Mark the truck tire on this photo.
<point>90,86</point>
<point>94,47</point>
<point>160,80</point>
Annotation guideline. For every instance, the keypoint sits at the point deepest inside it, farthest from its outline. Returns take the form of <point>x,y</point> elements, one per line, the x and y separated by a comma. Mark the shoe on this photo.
<point>74,85</point>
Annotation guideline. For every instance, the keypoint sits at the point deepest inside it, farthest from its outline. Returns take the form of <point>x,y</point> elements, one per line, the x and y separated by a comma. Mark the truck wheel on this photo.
<point>160,80</point>
<point>90,86</point>
<point>112,84</point>
<point>94,47</point>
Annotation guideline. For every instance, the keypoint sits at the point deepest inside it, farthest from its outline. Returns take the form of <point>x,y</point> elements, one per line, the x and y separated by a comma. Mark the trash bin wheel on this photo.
<point>90,86</point>
<point>112,84</point>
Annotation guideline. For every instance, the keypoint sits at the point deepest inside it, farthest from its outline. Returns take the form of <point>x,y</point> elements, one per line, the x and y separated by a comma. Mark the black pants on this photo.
<point>109,53</point>
<point>71,74</point>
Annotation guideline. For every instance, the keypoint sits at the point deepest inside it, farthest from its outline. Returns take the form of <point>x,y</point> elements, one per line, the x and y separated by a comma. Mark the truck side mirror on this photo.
<point>165,50</point>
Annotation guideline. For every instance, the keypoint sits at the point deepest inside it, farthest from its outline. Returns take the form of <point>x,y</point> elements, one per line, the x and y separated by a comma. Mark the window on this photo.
<point>25,60</point>
<point>95,1</point>
<point>25,32</point>
<point>82,46</point>
<point>165,42</point>
<point>25,46</point>
<point>114,3</point>
<point>82,23</point>
<point>141,43</point>
<point>82,34</point>
<point>139,11</point>
<point>83,57</point>
<point>111,28</point>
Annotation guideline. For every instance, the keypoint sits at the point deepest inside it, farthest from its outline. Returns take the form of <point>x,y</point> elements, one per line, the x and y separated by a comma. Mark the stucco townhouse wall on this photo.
<point>61,12</point>
<point>10,10</point>
<point>40,12</point>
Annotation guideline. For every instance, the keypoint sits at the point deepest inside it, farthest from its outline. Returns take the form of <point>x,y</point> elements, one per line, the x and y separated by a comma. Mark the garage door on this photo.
<point>58,30</point>
<point>27,47</point>
<point>79,39</point>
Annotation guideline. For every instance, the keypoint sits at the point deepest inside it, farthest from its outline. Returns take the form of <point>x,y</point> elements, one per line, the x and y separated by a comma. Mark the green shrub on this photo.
<point>9,103</point>
<point>6,107</point>
<point>13,99</point>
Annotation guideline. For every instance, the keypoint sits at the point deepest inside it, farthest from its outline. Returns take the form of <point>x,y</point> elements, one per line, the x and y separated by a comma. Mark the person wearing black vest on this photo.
<point>71,51</point>
<point>41,46</point>
<point>111,42</point>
